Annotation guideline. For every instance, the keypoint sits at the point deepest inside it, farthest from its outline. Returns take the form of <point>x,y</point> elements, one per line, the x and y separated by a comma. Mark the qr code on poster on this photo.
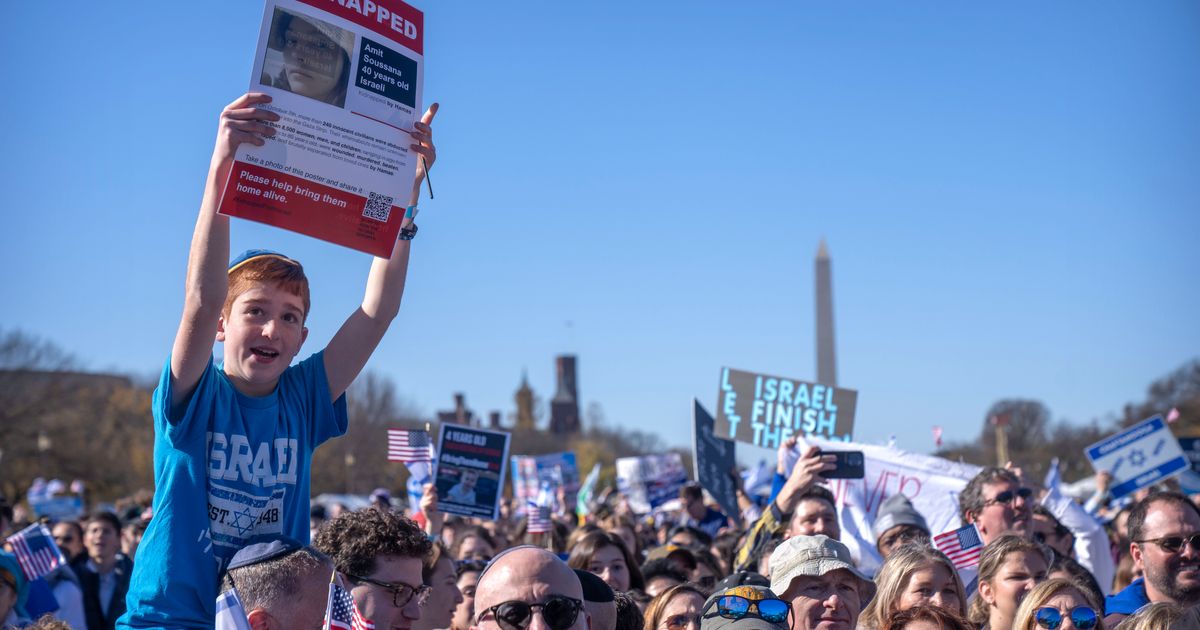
<point>379,207</point>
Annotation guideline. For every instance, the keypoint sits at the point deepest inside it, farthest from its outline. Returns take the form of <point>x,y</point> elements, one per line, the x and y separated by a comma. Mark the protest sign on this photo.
<point>1139,456</point>
<point>470,470</point>
<point>650,481</point>
<point>766,410</point>
<point>931,483</point>
<point>57,508</point>
<point>531,472</point>
<point>346,80</point>
<point>714,460</point>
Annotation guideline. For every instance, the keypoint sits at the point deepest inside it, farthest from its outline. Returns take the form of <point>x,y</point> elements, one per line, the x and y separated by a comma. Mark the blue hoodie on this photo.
<point>1129,600</point>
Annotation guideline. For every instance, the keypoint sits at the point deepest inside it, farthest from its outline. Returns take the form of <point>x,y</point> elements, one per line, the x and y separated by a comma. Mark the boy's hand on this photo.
<point>422,133</point>
<point>242,121</point>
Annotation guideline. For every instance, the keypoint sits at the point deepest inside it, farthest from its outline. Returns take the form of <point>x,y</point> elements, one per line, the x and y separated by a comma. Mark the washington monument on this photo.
<point>826,356</point>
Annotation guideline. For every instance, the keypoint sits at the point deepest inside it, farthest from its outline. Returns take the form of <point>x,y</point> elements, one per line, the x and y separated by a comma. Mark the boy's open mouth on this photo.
<point>264,353</point>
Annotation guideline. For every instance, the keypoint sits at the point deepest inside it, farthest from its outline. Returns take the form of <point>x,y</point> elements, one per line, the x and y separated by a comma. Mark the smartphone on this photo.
<point>850,465</point>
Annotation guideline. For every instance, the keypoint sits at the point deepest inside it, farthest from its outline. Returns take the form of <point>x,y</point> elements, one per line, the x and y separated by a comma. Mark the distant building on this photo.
<point>460,414</point>
<point>524,398</point>
<point>564,407</point>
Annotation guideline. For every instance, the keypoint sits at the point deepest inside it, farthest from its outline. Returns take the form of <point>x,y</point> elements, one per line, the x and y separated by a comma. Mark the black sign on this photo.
<point>714,461</point>
<point>470,470</point>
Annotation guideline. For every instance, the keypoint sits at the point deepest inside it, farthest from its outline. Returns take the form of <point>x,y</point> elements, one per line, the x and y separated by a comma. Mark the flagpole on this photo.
<point>329,602</point>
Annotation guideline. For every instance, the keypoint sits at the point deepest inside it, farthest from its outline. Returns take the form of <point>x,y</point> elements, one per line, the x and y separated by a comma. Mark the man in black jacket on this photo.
<point>104,573</point>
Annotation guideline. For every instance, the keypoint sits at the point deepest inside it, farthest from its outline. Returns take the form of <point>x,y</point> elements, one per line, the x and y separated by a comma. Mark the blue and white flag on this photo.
<point>586,491</point>
<point>1053,476</point>
<point>230,613</point>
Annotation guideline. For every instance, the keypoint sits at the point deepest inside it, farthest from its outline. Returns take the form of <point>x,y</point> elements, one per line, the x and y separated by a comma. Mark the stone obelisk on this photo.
<point>826,355</point>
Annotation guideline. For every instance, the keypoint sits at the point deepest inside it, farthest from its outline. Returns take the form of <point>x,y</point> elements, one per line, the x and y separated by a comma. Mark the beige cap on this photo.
<point>814,556</point>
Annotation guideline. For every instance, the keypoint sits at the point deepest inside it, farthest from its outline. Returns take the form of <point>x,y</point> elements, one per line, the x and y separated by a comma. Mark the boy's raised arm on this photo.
<point>354,342</point>
<point>207,282</point>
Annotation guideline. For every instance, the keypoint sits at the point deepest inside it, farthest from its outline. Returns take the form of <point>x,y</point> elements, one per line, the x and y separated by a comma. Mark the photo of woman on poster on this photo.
<point>309,57</point>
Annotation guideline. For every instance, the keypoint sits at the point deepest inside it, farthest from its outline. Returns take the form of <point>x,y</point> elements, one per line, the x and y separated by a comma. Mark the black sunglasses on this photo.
<point>1174,544</point>
<point>1007,496</point>
<point>1051,618</point>
<point>559,611</point>
<point>735,607</point>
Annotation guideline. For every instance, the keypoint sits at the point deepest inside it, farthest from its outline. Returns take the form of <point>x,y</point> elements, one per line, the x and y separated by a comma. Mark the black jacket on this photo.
<point>90,582</point>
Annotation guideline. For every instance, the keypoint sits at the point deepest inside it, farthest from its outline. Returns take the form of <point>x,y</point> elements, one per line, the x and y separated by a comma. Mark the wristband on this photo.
<point>407,233</point>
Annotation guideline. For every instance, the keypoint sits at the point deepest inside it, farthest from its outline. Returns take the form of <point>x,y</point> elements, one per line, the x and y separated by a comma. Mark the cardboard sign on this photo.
<point>1139,456</point>
<point>766,410</point>
<point>650,481</point>
<point>931,483</point>
<point>470,470</point>
<point>531,472</point>
<point>714,459</point>
<point>346,81</point>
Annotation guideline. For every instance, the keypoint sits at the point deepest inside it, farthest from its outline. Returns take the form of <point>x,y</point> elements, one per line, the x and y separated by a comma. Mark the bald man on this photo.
<point>529,587</point>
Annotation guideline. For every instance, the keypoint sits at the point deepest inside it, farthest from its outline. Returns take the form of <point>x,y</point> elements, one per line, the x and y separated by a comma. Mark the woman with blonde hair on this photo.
<point>677,608</point>
<point>914,574</point>
<point>1008,569</point>
<point>1060,604</point>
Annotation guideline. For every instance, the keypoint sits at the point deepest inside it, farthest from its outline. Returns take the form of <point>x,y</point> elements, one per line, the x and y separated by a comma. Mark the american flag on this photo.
<point>341,613</point>
<point>36,551</point>
<point>539,518</point>
<point>409,446</point>
<point>962,546</point>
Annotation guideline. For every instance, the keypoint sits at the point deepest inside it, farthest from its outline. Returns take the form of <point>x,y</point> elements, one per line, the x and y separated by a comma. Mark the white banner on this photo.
<point>931,483</point>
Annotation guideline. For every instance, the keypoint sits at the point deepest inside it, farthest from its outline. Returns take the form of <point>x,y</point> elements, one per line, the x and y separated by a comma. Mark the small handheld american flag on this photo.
<point>36,551</point>
<point>963,546</point>
<point>539,518</point>
<point>340,611</point>
<point>409,446</point>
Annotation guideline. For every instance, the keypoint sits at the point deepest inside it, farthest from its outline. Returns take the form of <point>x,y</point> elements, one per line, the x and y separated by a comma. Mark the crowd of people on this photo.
<point>779,566</point>
<point>231,513</point>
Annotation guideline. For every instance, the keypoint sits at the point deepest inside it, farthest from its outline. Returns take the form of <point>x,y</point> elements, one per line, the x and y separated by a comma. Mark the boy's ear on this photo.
<point>303,335</point>
<point>221,329</point>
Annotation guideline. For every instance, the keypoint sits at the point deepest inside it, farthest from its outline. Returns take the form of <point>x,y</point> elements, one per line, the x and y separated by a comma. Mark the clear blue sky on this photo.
<point>1011,195</point>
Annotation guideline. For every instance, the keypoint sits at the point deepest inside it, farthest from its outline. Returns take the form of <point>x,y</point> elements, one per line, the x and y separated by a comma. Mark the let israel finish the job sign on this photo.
<point>765,410</point>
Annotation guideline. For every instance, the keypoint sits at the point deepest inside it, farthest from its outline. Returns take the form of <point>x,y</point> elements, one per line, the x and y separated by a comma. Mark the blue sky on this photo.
<point>1009,193</point>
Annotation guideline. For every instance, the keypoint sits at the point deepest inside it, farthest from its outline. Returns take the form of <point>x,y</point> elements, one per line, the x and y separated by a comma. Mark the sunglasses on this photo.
<point>1082,616</point>
<point>1007,496</point>
<point>736,607</point>
<point>559,611</point>
<point>1174,544</point>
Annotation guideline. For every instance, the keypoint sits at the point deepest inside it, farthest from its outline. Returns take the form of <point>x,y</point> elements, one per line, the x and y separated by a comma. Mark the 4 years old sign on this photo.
<point>765,410</point>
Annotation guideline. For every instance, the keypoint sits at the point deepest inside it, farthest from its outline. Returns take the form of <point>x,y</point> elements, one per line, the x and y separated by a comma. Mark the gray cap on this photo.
<point>897,510</point>
<point>814,556</point>
<point>712,620</point>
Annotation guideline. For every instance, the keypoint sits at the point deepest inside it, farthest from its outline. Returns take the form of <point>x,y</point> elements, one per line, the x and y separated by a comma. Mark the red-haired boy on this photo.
<point>234,440</point>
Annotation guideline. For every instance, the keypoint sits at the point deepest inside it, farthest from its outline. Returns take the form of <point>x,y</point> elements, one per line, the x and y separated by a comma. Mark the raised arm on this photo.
<point>207,282</point>
<point>358,337</point>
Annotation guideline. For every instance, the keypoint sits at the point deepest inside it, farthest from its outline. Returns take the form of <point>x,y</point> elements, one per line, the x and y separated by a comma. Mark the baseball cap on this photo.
<point>712,620</point>
<point>814,556</point>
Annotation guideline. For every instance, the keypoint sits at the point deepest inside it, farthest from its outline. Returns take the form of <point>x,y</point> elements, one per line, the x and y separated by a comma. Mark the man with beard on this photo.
<point>1164,534</point>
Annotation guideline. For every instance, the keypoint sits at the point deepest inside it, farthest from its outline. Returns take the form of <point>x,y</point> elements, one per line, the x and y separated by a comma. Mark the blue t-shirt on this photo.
<point>231,467</point>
